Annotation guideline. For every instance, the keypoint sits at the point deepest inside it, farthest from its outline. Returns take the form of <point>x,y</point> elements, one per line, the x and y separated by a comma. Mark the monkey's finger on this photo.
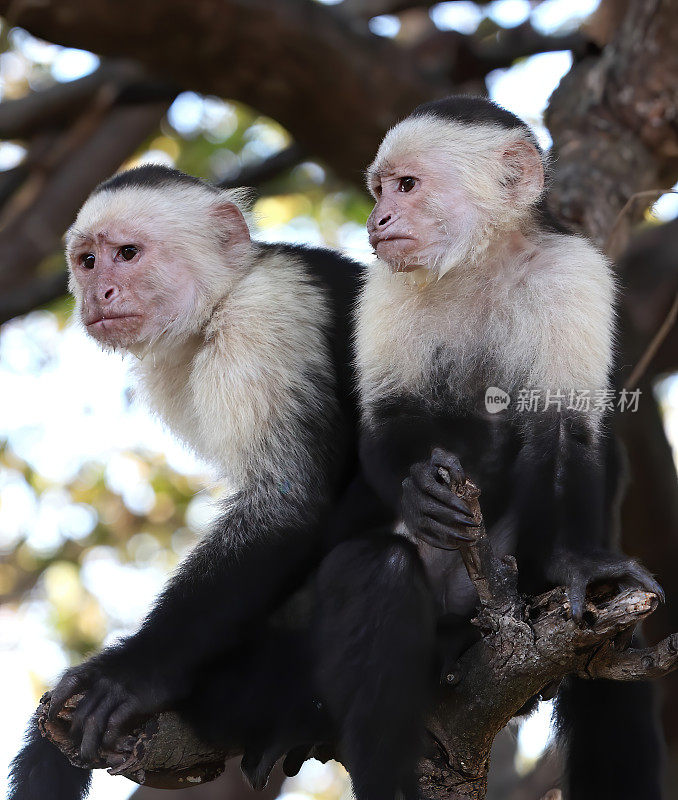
<point>94,728</point>
<point>576,593</point>
<point>120,720</point>
<point>641,576</point>
<point>425,482</point>
<point>416,504</point>
<point>71,683</point>
<point>450,462</point>
<point>442,536</point>
<point>451,517</point>
<point>295,759</point>
<point>85,709</point>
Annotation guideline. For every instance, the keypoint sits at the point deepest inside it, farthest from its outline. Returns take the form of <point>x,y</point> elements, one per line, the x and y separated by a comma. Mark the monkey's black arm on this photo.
<point>397,437</point>
<point>230,581</point>
<point>564,486</point>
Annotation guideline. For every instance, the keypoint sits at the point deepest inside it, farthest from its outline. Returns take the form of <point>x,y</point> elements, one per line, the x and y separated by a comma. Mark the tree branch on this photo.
<point>507,45</point>
<point>335,86</point>
<point>525,646</point>
<point>613,121</point>
<point>36,292</point>
<point>266,170</point>
<point>373,8</point>
<point>60,104</point>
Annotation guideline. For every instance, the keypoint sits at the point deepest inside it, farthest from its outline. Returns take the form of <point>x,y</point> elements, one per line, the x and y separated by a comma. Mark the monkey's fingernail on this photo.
<point>444,475</point>
<point>470,523</point>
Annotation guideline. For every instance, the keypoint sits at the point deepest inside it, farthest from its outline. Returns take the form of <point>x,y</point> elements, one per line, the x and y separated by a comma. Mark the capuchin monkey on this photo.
<point>477,291</point>
<point>242,349</point>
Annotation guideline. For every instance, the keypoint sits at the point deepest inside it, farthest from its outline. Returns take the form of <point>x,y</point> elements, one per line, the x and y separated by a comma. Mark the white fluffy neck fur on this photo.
<point>543,320</point>
<point>230,392</point>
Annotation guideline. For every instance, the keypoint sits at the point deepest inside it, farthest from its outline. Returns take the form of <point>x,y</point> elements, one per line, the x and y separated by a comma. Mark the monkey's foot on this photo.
<point>578,571</point>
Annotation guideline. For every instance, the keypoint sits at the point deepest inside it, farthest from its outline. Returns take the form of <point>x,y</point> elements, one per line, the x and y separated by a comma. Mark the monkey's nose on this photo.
<point>111,293</point>
<point>384,220</point>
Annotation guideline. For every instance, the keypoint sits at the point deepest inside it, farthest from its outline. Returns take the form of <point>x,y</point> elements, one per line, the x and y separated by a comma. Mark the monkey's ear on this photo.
<point>232,221</point>
<point>524,171</point>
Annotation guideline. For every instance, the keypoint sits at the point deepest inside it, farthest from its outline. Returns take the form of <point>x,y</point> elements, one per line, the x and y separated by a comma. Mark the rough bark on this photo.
<point>614,121</point>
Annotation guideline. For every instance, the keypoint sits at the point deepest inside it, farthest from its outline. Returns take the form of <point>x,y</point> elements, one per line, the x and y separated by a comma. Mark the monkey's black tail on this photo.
<point>41,772</point>
<point>612,740</point>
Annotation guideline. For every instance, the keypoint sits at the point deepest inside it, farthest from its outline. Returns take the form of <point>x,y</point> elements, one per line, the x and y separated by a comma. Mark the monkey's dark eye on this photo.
<point>128,251</point>
<point>406,184</point>
<point>88,260</point>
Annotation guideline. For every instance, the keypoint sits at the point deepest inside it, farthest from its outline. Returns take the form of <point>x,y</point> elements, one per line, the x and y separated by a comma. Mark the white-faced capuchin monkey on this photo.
<point>477,288</point>
<point>243,351</point>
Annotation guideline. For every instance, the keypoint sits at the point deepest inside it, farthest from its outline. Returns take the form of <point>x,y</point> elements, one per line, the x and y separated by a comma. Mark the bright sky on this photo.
<point>89,417</point>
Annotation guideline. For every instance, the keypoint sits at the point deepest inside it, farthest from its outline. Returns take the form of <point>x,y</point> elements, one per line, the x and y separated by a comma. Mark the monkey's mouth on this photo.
<point>376,239</point>
<point>103,322</point>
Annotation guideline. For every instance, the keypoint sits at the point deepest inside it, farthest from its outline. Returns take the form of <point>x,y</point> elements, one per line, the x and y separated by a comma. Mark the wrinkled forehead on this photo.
<point>137,209</point>
<point>429,137</point>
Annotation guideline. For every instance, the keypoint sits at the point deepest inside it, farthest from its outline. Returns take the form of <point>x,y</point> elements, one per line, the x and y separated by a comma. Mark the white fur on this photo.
<point>241,343</point>
<point>546,322</point>
<point>231,394</point>
<point>522,308</point>
<point>466,164</point>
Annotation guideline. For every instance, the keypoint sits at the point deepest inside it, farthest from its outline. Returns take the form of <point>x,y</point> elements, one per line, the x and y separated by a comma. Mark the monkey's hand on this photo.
<point>112,701</point>
<point>577,571</point>
<point>431,510</point>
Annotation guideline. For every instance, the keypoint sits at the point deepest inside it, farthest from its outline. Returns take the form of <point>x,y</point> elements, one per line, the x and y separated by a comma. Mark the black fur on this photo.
<point>152,176</point>
<point>610,733</point>
<point>473,110</point>
<point>546,496</point>
<point>41,771</point>
<point>376,636</point>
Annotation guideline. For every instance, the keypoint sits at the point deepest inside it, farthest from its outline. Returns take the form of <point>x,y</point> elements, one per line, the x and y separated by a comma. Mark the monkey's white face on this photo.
<point>422,214</point>
<point>441,187</point>
<point>147,266</point>
<point>113,273</point>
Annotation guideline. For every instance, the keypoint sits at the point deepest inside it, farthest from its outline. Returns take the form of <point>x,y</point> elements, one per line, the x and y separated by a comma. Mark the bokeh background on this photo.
<point>97,502</point>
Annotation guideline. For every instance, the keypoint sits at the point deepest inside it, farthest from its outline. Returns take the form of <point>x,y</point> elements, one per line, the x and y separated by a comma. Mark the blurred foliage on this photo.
<point>156,537</point>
